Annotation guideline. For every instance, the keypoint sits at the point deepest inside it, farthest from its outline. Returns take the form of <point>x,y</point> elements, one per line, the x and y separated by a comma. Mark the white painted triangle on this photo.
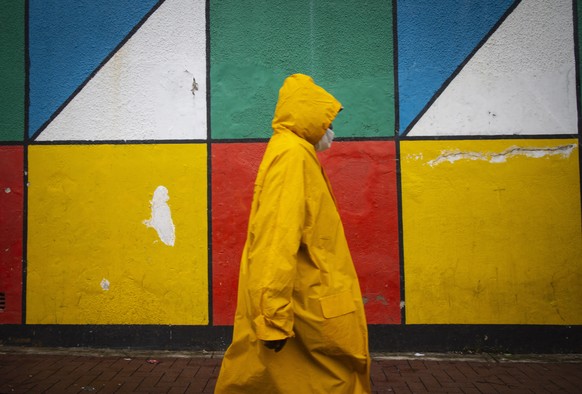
<point>153,88</point>
<point>522,81</point>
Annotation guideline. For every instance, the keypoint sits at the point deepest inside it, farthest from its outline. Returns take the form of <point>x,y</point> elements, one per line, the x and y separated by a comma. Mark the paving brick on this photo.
<point>485,387</point>
<point>196,387</point>
<point>149,382</point>
<point>430,382</point>
<point>471,390</point>
<point>63,384</point>
<point>177,390</point>
<point>417,387</point>
<point>182,382</point>
<point>401,389</point>
<point>169,376</point>
<point>210,385</point>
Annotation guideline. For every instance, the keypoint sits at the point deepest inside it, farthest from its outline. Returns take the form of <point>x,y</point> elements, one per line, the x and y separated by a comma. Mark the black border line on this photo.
<point>400,215</point>
<point>469,338</point>
<point>447,82</point>
<point>490,137</point>
<point>395,67</point>
<point>209,170</point>
<point>265,140</point>
<point>402,301</point>
<point>25,140</point>
<point>96,70</point>
<point>118,142</point>
<point>240,140</point>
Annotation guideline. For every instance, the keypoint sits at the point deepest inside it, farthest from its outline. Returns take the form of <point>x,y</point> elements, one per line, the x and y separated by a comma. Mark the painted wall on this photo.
<point>12,71</point>
<point>132,132</point>
<point>11,221</point>
<point>510,212</point>
<point>120,241</point>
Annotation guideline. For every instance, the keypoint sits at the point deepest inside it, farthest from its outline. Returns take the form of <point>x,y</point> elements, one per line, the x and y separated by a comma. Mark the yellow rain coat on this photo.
<point>297,279</point>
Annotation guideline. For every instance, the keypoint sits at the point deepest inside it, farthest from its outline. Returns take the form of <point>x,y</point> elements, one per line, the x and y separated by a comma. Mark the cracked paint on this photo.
<point>534,152</point>
<point>161,219</point>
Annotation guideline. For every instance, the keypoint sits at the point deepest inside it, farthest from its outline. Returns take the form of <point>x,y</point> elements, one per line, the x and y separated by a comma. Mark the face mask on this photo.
<point>325,141</point>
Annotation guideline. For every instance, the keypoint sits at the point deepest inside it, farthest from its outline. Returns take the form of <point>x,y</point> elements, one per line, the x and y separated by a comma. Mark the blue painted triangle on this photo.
<point>68,41</point>
<point>434,39</point>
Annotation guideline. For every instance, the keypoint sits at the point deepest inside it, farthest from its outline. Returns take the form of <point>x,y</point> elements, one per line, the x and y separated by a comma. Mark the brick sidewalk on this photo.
<point>25,370</point>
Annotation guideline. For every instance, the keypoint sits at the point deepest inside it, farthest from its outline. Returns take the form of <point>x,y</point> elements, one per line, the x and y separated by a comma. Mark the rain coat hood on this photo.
<point>297,280</point>
<point>304,108</point>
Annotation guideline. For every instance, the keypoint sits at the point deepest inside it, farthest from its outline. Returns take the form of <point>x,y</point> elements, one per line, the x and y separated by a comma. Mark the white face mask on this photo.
<point>325,141</point>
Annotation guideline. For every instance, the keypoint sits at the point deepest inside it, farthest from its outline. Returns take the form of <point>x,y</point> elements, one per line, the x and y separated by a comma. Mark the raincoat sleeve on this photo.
<point>275,235</point>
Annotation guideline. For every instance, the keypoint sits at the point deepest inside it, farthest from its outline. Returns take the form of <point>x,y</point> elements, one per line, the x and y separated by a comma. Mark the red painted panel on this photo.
<point>11,207</point>
<point>234,169</point>
<point>363,176</point>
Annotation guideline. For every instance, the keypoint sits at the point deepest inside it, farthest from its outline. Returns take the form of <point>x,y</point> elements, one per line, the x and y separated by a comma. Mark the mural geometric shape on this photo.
<point>153,88</point>
<point>492,232</point>
<point>346,48</point>
<point>234,169</point>
<point>12,69</point>
<point>11,214</point>
<point>434,39</point>
<point>68,40</point>
<point>522,81</point>
<point>363,176</point>
<point>117,234</point>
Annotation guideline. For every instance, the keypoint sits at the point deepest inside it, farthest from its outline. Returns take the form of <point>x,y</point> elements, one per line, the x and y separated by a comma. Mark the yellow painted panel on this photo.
<point>492,232</point>
<point>91,257</point>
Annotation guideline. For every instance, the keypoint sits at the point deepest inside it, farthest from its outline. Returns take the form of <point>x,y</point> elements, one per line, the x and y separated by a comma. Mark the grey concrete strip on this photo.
<point>482,357</point>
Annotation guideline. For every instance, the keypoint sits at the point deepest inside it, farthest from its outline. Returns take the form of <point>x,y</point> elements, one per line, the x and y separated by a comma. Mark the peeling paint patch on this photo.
<point>105,284</point>
<point>414,156</point>
<point>161,219</point>
<point>7,190</point>
<point>536,153</point>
